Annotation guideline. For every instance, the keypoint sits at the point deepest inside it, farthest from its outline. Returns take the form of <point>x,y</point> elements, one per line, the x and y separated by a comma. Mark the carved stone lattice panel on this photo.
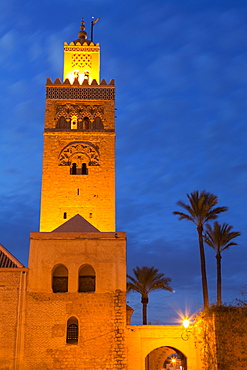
<point>80,93</point>
<point>79,110</point>
<point>81,61</point>
<point>79,147</point>
<point>80,49</point>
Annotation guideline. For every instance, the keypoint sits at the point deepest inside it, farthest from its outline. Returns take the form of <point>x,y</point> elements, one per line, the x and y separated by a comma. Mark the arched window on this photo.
<point>98,124</point>
<point>73,124</point>
<point>86,279</point>
<point>62,123</point>
<point>80,124</point>
<point>60,279</point>
<point>72,331</point>
<point>84,170</point>
<point>73,169</point>
<point>86,123</point>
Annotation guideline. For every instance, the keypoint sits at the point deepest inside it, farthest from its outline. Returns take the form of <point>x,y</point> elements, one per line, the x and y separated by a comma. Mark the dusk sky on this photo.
<point>180,69</point>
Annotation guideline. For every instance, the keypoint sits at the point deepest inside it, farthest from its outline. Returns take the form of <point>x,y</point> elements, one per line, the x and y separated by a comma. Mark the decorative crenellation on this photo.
<point>82,150</point>
<point>85,45</point>
<point>75,90</point>
<point>76,83</point>
<point>79,110</point>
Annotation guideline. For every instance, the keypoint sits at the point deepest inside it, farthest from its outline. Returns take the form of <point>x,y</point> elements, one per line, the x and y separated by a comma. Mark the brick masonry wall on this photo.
<point>10,284</point>
<point>101,314</point>
<point>101,331</point>
<point>120,360</point>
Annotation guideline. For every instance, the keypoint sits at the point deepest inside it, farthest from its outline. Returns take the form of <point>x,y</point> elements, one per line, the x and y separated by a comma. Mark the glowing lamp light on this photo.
<point>186,323</point>
<point>173,360</point>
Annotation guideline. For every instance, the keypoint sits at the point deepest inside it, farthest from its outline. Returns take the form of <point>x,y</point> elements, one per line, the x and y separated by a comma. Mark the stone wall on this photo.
<point>92,195</point>
<point>101,314</point>
<point>221,334</point>
<point>101,322</point>
<point>105,252</point>
<point>12,296</point>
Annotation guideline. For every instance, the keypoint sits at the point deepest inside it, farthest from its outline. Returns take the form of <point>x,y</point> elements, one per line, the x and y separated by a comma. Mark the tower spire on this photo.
<point>82,34</point>
<point>82,58</point>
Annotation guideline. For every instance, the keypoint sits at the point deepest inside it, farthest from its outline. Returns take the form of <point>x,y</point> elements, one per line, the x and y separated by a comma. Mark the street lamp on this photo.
<point>186,324</point>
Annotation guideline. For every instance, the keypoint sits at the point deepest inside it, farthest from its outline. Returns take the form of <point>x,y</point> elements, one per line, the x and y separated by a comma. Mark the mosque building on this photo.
<point>67,309</point>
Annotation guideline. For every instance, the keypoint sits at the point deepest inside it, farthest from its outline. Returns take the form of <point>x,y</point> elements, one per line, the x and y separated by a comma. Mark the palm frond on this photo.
<point>200,208</point>
<point>147,279</point>
<point>220,236</point>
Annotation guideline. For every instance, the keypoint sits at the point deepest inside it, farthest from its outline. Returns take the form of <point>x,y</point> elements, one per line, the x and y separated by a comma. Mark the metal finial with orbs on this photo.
<point>82,34</point>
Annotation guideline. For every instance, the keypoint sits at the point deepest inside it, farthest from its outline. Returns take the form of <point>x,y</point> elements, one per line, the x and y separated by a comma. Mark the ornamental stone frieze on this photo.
<point>79,110</point>
<point>79,148</point>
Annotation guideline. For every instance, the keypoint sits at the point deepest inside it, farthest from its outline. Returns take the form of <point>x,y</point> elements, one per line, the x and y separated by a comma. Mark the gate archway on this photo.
<point>165,357</point>
<point>160,342</point>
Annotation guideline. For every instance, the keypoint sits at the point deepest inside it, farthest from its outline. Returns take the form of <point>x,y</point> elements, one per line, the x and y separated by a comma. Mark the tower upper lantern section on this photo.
<point>81,59</point>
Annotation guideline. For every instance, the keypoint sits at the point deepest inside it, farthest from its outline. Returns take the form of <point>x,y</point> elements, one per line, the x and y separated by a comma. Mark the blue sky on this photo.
<point>180,69</point>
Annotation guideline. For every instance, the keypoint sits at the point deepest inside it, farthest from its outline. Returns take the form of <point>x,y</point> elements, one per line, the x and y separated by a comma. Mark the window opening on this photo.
<point>86,279</point>
<point>80,125</point>
<point>73,125</point>
<point>98,124</point>
<point>72,331</point>
<point>62,123</point>
<point>84,170</point>
<point>86,123</point>
<point>76,74</point>
<point>60,279</point>
<point>78,191</point>
<point>65,215</point>
<point>73,169</point>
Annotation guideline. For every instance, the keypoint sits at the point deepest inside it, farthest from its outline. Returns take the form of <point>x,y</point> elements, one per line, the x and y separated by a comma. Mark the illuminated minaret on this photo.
<point>78,174</point>
<point>82,61</point>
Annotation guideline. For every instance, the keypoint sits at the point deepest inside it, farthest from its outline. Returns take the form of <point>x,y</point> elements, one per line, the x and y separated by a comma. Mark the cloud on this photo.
<point>180,72</point>
<point>7,45</point>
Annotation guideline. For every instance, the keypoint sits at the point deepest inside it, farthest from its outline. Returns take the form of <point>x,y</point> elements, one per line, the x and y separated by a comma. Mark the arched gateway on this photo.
<point>156,347</point>
<point>165,358</point>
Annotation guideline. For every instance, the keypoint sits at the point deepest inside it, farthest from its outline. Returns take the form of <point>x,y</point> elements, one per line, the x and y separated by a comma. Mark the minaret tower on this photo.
<point>78,174</point>
<point>67,310</point>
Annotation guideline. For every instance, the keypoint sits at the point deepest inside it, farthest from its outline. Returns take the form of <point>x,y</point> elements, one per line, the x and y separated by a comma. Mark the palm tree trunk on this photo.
<point>203,267</point>
<point>219,298</point>
<point>144,309</point>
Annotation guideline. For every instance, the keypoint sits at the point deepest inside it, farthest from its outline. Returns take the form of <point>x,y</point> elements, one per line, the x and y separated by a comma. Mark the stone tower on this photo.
<point>78,174</point>
<point>75,299</point>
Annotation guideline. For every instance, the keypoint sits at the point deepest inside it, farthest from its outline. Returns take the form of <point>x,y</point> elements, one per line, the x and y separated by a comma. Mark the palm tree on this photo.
<point>145,280</point>
<point>219,238</point>
<point>200,210</point>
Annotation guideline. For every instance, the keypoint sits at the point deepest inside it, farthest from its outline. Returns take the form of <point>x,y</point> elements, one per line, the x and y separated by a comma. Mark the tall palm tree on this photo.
<point>200,210</point>
<point>219,238</point>
<point>145,280</point>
